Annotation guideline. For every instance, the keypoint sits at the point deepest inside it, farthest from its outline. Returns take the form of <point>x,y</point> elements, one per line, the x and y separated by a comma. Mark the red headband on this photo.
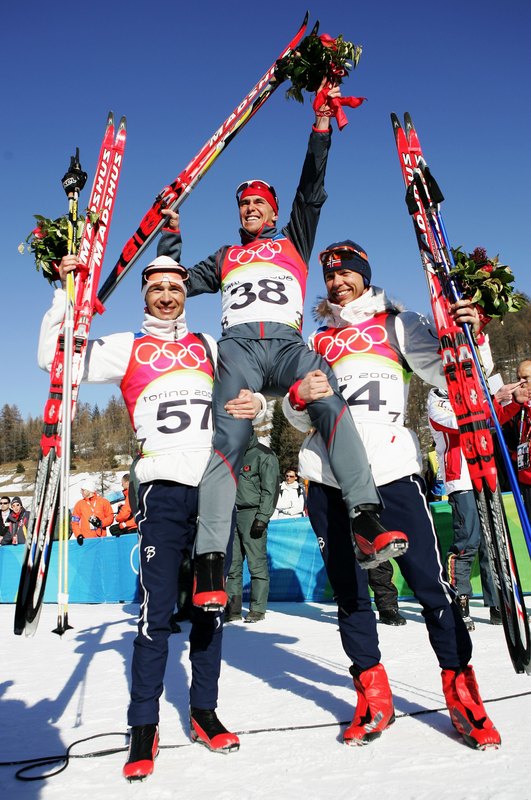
<point>261,191</point>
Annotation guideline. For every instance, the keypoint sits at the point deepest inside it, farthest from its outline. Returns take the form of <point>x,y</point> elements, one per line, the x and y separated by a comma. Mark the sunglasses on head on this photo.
<point>164,275</point>
<point>341,254</point>
<point>262,185</point>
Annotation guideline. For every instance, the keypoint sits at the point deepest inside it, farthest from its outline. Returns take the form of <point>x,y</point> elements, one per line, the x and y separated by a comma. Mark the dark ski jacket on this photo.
<point>205,277</point>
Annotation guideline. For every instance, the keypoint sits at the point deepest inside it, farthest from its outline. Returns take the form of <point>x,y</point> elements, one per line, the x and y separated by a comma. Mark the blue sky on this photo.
<point>176,70</point>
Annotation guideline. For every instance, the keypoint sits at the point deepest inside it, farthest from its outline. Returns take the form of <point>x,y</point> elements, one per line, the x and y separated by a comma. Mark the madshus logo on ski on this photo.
<point>466,383</point>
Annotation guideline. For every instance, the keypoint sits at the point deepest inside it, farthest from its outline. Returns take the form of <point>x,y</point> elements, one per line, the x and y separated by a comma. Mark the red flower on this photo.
<point>478,255</point>
<point>38,232</point>
<point>327,41</point>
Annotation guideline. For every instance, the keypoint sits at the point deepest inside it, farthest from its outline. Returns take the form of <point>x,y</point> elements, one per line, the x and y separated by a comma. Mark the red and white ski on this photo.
<point>467,388</point>
<point>44,511</point>
<point>173,195</point>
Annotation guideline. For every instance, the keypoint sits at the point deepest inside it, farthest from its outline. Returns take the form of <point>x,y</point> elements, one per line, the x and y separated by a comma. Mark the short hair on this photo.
<point>521,363</point>
<point>5,497</point>
<point>126,477</point>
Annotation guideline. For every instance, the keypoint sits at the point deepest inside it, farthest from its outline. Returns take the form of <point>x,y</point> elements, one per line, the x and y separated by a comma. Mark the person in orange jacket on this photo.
<point>91,515</point>
<point>125,519</point>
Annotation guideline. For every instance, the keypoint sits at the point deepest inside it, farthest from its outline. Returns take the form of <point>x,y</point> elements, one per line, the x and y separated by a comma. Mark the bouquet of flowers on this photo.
<point>487,283</point>
<point>49,242</point>
<point>315,58</point>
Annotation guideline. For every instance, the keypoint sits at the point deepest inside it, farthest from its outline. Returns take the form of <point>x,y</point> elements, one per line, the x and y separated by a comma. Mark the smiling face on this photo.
<point>343,286</point>
<point>524,372</point>
<point>165,298</point>
<point>255,214</point>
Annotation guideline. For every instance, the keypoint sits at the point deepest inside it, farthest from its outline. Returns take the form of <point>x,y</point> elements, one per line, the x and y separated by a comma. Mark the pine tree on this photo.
<point>285,440</point>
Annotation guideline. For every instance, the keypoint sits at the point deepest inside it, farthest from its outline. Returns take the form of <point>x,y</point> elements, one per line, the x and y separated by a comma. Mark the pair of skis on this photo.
<point>50,497</point>
<point>45,507</point>
<point>467,390</point>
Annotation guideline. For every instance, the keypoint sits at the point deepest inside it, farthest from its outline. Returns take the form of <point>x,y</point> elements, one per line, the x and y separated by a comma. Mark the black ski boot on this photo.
<point>373,543</point>
<point>391,616</point>
<point>143,749</point>
<point>209,582</point>
<point>233,611</point>
<point>206,729</point>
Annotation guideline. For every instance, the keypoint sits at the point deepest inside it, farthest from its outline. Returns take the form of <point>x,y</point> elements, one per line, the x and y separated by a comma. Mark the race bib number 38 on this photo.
<point>264,282</point>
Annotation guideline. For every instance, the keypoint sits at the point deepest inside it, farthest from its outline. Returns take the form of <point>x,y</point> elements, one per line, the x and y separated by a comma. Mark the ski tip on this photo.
<point>408,122</point>
<point>397,127</point>
<point>123,124</point>
<point>315,29</point>
<point>305,20</point>
<point>110,119</point>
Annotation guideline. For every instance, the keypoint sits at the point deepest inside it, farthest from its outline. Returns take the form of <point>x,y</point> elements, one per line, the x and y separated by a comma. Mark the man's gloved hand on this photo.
<point>258,528</point>
<point>80,539</point>
<point>115,530</point>
<point>95,521</point>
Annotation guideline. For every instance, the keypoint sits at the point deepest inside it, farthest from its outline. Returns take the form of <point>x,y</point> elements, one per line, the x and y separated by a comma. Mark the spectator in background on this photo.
<point>433,477</point>
<point>291,501</point>
<point>468,538</point>
<point>91,515</point>
<point>124,521</point>
<point>5,508</point>
<point>18,522</point>
<point>514,413</point>
<point>256,497</point>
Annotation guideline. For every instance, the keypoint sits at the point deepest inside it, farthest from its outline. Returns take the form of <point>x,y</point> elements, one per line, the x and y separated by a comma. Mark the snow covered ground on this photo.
<point>284,687</point>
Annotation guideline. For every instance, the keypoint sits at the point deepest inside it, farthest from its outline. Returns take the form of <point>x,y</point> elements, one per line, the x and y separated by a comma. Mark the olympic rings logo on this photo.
<point>168,355</point>
<point>266,251</point>
<point>352,340</point>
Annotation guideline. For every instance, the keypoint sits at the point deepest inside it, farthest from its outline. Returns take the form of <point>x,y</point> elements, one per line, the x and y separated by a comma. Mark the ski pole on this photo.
<point>73,182</point>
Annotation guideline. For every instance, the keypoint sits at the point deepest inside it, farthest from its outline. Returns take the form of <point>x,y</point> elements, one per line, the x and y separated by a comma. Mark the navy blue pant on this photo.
<point>167,515</point>
<point>405,509</point>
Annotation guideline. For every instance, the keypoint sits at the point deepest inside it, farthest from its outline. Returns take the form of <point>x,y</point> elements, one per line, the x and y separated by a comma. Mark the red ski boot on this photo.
<point>209,582</point>
<point>143,749</point>
<point>206,729</point>
<point>374,709</point>
<point>466,708</point>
